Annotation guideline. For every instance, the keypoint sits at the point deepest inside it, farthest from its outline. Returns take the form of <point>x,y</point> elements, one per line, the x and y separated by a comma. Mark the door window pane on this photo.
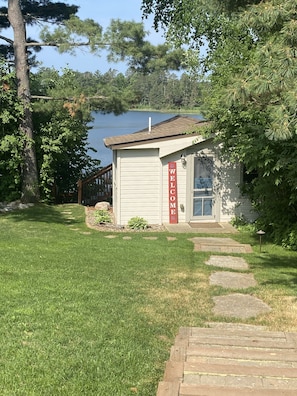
<point>202,188</point>
<point>197,207</point>
<point>203,172</point>
<point>207,207</point>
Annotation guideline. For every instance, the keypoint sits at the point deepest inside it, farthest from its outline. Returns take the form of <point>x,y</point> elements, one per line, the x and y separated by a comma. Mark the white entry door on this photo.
<point>202,189</point>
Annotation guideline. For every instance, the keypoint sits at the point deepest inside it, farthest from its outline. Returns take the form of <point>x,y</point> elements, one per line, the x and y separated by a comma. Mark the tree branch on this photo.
<point>51,44</point>
<point>69,99</point>
<point>8,40</point>
<point>37,44</point>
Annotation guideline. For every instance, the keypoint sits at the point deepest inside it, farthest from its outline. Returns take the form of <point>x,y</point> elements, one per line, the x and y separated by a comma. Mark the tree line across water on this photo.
<point>159,90</point>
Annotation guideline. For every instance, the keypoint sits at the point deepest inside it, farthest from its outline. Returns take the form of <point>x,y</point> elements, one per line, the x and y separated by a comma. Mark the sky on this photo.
<point>102,11</point>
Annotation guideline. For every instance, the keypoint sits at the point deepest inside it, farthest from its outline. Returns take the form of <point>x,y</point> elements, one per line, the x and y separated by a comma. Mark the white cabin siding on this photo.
<point>229,190</point>
<point>233,202</point>
<point>139,189</point>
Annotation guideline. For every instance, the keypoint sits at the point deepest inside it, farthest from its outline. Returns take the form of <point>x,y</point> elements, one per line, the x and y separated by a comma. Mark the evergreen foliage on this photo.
<point>251,64</point>
<point>11,141</point>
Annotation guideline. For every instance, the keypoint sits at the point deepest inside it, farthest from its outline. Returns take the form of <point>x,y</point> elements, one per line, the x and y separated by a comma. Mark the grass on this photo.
<point>82,314</point>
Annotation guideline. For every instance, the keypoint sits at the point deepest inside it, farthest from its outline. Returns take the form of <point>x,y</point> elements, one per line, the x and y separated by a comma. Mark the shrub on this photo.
<point>102,217</point>
<point>242,224</point>
<point>290,240</point>
<point>137,223</point>
<point>238,221</point>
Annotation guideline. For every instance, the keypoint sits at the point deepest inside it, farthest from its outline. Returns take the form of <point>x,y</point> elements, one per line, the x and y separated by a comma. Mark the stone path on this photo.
<point>205,228</point>
<point>241,306</point>
<point>232,280</point>
<point>222,245</point>
<point>235,305</point>
<point>225,359</point>
<point>228,262</point>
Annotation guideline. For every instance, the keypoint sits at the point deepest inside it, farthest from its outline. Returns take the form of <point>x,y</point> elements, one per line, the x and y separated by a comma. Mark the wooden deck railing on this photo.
<point>96,188</point>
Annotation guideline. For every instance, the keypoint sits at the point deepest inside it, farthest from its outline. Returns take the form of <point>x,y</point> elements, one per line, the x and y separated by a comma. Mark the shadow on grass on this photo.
<point>40,213</point>
<point>279,270</point>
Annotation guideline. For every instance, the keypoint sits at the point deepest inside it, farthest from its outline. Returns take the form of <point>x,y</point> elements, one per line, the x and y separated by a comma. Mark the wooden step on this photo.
<point>241,356</point>
<point>202,390</point>
<point>168,388</point>
<point>232,360</point>
<point>232,332</point>
<point>261,340</point>
<point>240,375</point>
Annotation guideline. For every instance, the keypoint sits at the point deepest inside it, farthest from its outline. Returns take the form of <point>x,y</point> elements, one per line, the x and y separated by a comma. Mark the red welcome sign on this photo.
<point>172,186</point>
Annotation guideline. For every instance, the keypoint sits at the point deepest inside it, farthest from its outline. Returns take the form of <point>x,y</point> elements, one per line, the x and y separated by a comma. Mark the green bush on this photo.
<point>137,223</point>
<point>242,224</point>
<point>102,217</point>
<point>238,221</point>
<point>290,240</point>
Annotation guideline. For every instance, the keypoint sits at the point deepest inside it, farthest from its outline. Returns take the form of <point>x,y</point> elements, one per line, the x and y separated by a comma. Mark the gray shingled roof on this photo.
<point>173,127</point>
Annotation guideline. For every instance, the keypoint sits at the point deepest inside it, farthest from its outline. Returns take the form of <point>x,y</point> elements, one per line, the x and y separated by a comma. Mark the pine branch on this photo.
<point>8,40</point>
<point>71,99</point>
<point>37,44</point>
<point>52,44</point>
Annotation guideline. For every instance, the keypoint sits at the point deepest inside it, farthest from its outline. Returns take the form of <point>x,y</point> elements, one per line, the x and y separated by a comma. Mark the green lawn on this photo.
<point>82,314</point>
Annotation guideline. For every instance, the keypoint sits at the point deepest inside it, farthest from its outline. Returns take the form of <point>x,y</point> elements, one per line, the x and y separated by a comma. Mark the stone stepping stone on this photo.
<point>169,239</point>
<point>236,263</point>
<point>150,238</point>
<point>232,280</point>
<point>223,245</point>
<point>238,305</point>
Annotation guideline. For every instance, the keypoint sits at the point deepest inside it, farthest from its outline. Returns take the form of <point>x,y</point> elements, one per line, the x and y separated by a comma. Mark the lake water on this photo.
<point>106,125</point>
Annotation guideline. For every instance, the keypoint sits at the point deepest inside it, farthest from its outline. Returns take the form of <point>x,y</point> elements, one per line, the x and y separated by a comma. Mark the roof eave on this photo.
<point>146,140</point>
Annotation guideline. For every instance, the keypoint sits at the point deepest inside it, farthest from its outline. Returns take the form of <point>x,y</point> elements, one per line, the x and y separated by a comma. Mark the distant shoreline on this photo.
<point>180,111</point>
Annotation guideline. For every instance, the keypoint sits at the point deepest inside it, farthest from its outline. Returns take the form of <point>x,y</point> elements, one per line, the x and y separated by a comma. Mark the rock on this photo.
<point>238,305</point>
<point>232,280</point>
<point>102,205</point>
<point>14,205</point>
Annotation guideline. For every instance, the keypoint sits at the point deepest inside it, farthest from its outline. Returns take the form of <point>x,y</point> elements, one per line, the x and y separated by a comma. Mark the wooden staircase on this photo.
<point>96,187</point>
<point>231,360</point>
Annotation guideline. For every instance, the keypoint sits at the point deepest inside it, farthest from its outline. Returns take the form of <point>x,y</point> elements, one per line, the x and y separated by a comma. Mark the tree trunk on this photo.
<point>30,189</point>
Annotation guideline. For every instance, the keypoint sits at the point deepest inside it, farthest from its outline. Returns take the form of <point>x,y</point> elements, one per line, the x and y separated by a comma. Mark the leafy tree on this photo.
<point>251,53</point>
<point>251,66</point>
<point>19,14</point>
<point>61,126</point>
<point>127,42</point>
<point>11,140</point>
<point>70,33</point>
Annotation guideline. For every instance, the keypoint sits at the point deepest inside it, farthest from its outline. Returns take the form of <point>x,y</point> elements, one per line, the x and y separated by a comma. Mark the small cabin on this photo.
<point>171,173</point>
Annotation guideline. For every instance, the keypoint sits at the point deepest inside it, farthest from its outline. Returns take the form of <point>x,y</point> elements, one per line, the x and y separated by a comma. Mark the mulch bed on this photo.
<point>112,227</point>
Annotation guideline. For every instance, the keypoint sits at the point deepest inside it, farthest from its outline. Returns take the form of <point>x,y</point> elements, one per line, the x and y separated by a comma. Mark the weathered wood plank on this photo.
<point>234,361</point>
